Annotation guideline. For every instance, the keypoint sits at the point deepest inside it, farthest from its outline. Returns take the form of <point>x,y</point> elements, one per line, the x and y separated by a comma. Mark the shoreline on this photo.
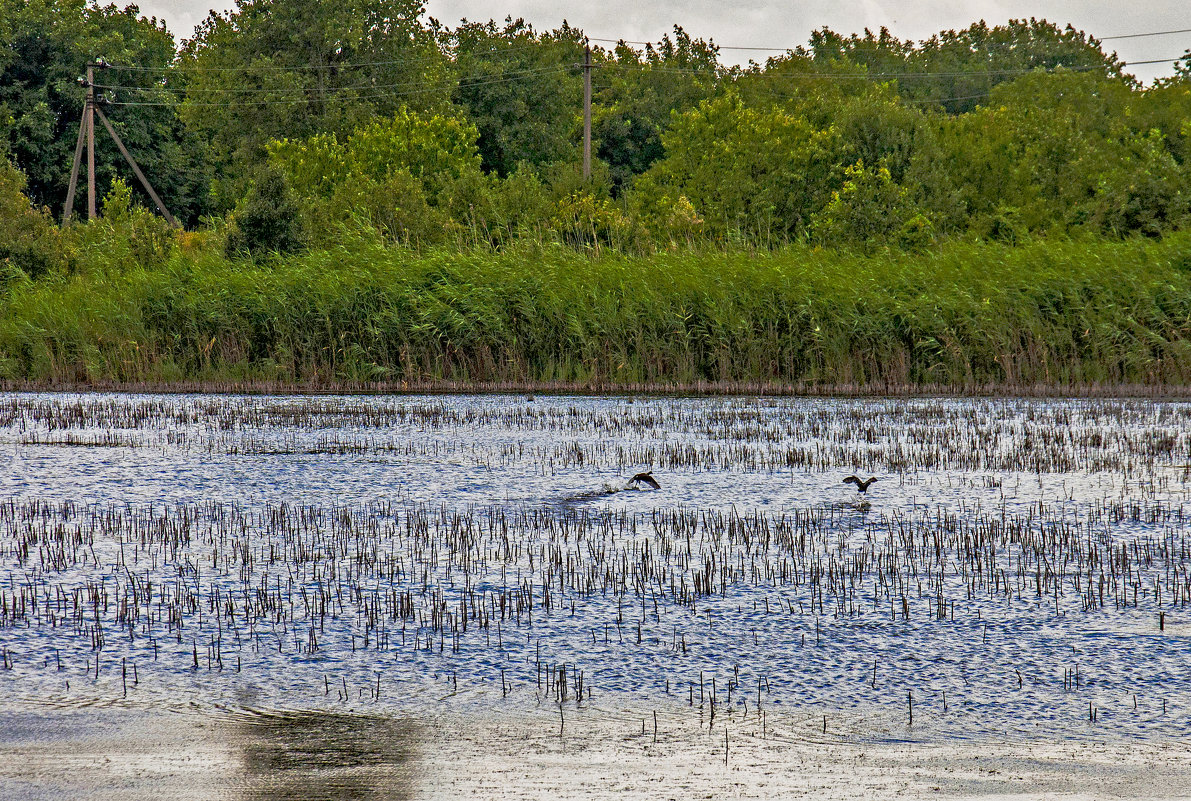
<point>708,389</point>
<point>113,753</point>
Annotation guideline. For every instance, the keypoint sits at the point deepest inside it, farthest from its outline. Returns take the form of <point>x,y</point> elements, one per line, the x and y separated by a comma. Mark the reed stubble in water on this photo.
<point>426,600</point>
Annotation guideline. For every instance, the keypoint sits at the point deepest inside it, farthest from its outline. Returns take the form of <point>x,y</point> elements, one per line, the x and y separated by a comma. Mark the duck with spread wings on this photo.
<point>861,486</point>
<point>645,478</point>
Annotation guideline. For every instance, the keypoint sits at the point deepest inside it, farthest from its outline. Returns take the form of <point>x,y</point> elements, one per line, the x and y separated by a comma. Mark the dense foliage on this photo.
<point>363,312</point>
<point>1004,131</point>
<point>947,207</point>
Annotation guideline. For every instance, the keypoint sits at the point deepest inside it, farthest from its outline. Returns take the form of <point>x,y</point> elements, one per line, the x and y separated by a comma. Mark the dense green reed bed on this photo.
<point>1060,314</point>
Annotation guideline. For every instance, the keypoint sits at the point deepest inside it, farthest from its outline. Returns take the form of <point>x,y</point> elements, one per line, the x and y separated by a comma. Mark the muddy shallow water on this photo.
<point>130,755</point>
<point>1018,572</point>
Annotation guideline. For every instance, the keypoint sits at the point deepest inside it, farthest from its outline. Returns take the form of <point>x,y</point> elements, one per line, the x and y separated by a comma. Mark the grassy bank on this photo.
<point>968,317</point>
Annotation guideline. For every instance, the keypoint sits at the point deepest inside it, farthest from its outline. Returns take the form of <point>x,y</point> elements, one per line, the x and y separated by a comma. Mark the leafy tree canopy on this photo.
<point>637,94</point>
<point>44,45</point>
<point>522,89</point>
<point>757,172</point>
<point>270,69</point>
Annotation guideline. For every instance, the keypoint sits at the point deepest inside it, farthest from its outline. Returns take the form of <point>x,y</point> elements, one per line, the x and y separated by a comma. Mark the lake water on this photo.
<point>1019,568</point>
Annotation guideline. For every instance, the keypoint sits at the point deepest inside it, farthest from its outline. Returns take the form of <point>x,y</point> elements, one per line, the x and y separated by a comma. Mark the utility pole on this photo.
<point>86,136</point>
<point>87,133</point>
<point>91,141</point>
<point>587,112</point>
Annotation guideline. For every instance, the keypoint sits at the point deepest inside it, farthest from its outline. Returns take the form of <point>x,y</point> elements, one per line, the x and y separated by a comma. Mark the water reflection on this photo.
<point>326,757</point>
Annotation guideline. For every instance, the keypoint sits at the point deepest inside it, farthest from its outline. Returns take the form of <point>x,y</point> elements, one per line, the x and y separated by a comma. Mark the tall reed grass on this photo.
<point>1056,313</point>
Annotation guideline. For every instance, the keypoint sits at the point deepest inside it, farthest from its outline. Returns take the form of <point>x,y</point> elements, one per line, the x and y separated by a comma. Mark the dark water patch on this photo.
<point>325,756</point>
<point>124,751</point>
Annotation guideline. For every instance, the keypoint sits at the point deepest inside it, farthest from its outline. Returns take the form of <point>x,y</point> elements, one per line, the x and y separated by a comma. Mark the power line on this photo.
<point>1152,61</point>
<point>295,101</point>
<point>944,100</point>
<point>445,56</point>
<point>375,93</point>
<point>1139,35</point>
<point>275,68</point>
<point>442,58</point>
<point>785,49</point>
<point>291,89</point>
<point>712,44</point>
<point>927,100</point>
<point>906,74</point>
<point>529,45</point>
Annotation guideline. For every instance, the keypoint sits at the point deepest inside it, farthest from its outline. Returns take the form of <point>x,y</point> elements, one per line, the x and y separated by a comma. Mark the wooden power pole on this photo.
<point>587,113</point>
<point>87,134</point>
<point>91,213</point>
<point>87,137</point>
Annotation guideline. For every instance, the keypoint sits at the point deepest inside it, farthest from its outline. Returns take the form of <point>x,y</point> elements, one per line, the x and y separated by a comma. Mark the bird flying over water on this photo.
<point>645,478</point>
<point>861,486</point>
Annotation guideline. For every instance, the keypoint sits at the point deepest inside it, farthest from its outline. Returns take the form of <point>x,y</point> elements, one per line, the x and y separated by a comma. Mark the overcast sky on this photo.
<point>783,24</point>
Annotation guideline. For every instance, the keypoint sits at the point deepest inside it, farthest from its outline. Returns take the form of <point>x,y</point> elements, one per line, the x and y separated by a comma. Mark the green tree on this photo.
<point>432,147</point>
<point>44,46</point>
<point>807,87</point>
<point>877,128</point>
<point>871,209</point>
<point>390,172</point>
<point>881,55</point>
<point>521,89</point>
<point>636,93</point>
<point>268,220</point>
<point>1144,190</point>
<point>1063,151</point>
<point>757,173</point>
<point>957,69</point>
<point>28,238</point>
<point>270,69</point>
<point>1166,107</point>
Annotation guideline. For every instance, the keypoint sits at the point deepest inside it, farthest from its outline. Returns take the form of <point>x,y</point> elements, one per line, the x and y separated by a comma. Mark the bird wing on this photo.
<point>647,479</point>
<point>851,480</point>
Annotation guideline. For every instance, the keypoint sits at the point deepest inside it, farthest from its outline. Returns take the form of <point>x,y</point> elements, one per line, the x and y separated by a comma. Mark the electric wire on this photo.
<point>298,68</point>
<point>785,49</point>
<point>1139,35</point>
<point>372,90</point>
<point>531,45</point>
<point>906,74</point>
<point>297,101</point>
<point>463,83</point>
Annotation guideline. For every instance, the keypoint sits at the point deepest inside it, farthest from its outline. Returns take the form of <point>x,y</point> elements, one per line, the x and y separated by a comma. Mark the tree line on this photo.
<point>281,123</point>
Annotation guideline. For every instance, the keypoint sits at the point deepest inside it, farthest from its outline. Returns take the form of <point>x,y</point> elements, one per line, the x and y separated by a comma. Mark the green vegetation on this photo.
<point>370,196</point>
<point>377,114</point>
<point>964,315</point>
